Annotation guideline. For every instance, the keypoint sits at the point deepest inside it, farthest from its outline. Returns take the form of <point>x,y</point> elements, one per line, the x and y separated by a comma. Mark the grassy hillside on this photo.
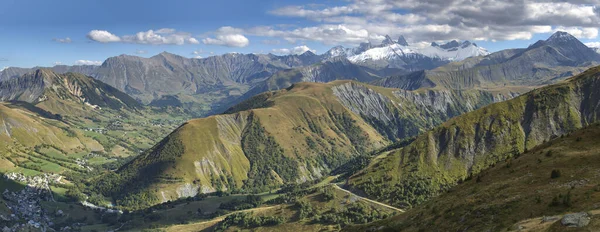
<point>314,209</point>
<point>555,178</point>
<point>465,145</point>
<point>52,120</point>
<point>292,135</point>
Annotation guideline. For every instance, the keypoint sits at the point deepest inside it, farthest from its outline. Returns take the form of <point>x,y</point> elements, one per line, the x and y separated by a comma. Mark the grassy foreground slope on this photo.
<point>470,143</point>
<point>555,178</point>
<point>292,135</point>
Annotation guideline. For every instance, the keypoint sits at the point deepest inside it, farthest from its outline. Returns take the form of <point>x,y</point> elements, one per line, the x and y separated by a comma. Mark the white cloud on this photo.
<point>328,34</point>
<point>593,44</point>
<point>283,51</point>
<point>197,52</point>
<point>138,51</point>
<point>294,51</point>
<point>198,57</point>
<point>433,20</point>
<point>103,36</point>
<point>57,63</point>
<point>193,41</point>
<point>586,33</point>
<point>228,36</point>
<point>271,42</point>
<point>65,40</point>
<point>302,49</point>
<point>165,31</point>
<point>87,62</point>
<point>158,37</point>
<point>232,40</point>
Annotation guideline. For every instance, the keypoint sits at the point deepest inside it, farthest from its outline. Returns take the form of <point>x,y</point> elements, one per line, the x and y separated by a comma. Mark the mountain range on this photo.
<point>208,85</point>
<point>542,63</point>
<point>449,133</point>
<point>211,85</point>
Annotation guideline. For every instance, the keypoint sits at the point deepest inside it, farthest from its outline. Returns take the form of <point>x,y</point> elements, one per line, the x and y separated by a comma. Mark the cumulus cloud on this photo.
<point>282,51</point>
<point>87,62</point>
<point>228,36</point>
<point>65,40</point>
<point>435,20</point>
<point>158,37</point>
<point>57,63</point>
<point>102,36</point>
<point>294,51</point>
<point>232,40</point>
<point>586,32</point>
<point>593,44</point>
<point>328,34</point>
<point>271,42</point>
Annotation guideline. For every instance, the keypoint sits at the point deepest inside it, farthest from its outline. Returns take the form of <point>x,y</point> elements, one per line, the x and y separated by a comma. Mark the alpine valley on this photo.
<point>380,137</point>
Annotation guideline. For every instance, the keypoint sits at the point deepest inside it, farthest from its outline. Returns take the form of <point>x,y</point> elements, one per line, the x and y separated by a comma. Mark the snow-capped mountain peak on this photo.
<point>561,36</point>
<point>401,50</point>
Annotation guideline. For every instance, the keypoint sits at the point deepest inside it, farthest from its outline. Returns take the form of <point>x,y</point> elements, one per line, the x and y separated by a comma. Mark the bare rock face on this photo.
<point>409,112</point>
<point>575,220</point>
<point>364,101</point>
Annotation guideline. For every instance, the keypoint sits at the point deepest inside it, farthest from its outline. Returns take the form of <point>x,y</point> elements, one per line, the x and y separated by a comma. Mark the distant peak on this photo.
<point>451,44</point>
<point>387,41</point>
<point>434,44</point>
<point>560,36</point>
<point>465,44</point>
<point>165,53</point>
<point>308,53</point>
<point>402,41</point>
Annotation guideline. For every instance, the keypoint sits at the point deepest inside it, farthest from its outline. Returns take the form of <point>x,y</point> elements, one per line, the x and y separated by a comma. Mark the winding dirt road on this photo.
<point>369,200</point>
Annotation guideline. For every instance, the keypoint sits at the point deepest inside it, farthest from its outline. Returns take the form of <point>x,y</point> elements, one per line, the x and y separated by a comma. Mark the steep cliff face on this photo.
<point>467,144</point>
<point>404,113</point>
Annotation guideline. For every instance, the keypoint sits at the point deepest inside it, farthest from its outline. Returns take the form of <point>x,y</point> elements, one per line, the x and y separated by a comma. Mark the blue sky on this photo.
<point>35,32</point>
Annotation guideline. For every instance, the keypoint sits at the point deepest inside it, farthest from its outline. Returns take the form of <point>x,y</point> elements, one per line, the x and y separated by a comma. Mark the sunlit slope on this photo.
<point>291,135</point>
<point>516,189</point>
<point>465,145</point>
